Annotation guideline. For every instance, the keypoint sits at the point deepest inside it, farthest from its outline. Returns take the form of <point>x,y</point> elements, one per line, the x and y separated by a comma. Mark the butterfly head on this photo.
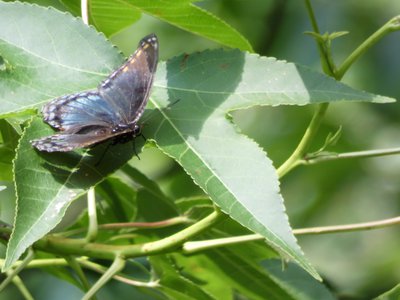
<point>149,41</point>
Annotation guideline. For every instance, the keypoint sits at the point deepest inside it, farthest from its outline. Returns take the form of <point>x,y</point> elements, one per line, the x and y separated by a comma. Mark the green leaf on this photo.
<point>9,138</point>
<point>297,283</point>
<point>393,294</point>
<point>111,17</point>
<point>120,198</point>
<point>172,283</point>
<point>7,203</point>
<point>149,197</point>
<point>47,182</point>
<point>107,16</point>
<point>57,55</point>
<point>229,167</point>
<point>6,156</point>
<point>188,16</point>
<point>224,272</point>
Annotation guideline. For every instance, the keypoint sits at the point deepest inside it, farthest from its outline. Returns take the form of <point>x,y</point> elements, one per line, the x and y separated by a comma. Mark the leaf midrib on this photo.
<point>45,211</point>
<point>53,62</point>
<point>189,146</point>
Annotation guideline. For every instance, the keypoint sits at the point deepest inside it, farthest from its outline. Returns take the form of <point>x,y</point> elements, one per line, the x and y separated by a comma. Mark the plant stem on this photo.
<point>192,247</point>
<point>159,224</point>
<point>44,262</point>
<point>390,26</point>
<point>84,12</point>
<point>325,60</point>
<point>40,263</point>
<point>115,226</point>
<point>22,288</point>
<point>349,227</point>
<point>178,238</point>
<point>335,156</point>
<point>79,247</point>
<point>73,263</point>
<point>100,269</point>
<point>117,265</point>
<point>297,156</point>
<point>14,272</point>
<point>295,159</point>
<point>92,213</point>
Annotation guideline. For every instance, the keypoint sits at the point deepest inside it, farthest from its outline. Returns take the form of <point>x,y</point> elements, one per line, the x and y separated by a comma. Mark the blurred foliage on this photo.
<point>358,265</point>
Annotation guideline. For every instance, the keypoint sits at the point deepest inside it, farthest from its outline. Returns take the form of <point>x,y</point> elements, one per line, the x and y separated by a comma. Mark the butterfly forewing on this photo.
<point>128,88</point>
<point>113,109</point>
<point>73,112</point>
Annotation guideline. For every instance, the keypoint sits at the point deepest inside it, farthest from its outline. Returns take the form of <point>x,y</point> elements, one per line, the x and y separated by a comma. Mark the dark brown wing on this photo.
<point>127,90</point>
<point>68,142</point>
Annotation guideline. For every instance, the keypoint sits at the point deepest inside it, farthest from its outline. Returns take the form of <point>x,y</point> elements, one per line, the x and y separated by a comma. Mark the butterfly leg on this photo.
<point>134,148</point>
<point>103,154</point>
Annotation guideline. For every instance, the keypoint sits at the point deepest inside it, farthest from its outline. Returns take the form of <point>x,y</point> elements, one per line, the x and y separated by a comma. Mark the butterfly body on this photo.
<point>109,112</point>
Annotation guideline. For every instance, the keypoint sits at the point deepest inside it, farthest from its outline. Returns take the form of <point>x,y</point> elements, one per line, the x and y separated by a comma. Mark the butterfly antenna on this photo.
<point>162,109</point>
<point>172,104</point>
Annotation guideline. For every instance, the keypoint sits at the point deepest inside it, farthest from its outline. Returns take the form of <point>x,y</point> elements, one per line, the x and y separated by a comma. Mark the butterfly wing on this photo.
<point>65,142</point>
<point>91,117</point>
<point>128,88</point>
<point>75,112</point>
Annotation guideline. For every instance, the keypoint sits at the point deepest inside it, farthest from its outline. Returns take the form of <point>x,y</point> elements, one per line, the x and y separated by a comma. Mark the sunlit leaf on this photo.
<point>111,17</point>
<point>232,169</point>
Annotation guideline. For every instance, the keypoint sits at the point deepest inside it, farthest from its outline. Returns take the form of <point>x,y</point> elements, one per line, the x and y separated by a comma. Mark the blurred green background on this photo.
<point>358,265</point>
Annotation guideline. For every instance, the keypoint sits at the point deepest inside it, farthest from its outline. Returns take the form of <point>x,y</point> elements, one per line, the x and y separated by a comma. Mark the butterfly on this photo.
<point>110,112</point>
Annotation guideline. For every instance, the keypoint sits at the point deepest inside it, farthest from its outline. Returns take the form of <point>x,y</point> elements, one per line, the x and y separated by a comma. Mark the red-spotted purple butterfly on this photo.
<point>109,112</point>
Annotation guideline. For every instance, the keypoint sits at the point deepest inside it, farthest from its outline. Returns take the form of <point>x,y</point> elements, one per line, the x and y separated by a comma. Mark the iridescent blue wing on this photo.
<point>128,88</point>
<point>75,112</point>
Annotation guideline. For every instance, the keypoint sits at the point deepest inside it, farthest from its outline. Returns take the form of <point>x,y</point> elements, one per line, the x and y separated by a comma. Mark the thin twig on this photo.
<point>191,247</point>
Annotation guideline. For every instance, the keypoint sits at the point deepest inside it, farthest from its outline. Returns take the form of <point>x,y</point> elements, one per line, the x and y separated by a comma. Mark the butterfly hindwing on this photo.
<point>68,142</point>
<point>74,112</point>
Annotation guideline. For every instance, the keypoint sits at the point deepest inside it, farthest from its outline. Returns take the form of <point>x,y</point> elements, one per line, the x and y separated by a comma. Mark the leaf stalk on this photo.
<point>193,247</point>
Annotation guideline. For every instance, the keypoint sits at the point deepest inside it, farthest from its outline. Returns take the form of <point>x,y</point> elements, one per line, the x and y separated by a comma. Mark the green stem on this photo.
<point>115,226</point>
<point>390,26</point>
<point>178,238</point>
<point>22,288</point>
<point>159,224</point>
<point>91,204</point>
<point>324,56</point>
<point>82,261</point>
<point>295,159</point>
<point>192,247</point>
<point>73,263</point>
<point>117,265</point>
<point>79,247</point>
<point>14,272</point>
<point>358,154</point>
<point>100,269</point>
<point>44,262</point>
